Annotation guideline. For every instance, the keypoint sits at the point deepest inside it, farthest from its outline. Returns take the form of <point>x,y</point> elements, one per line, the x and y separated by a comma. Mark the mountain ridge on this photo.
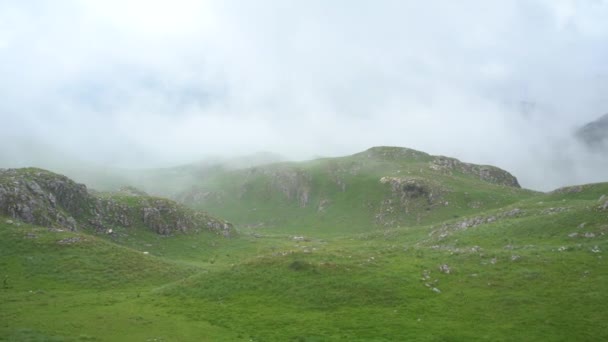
<point>382,186</point>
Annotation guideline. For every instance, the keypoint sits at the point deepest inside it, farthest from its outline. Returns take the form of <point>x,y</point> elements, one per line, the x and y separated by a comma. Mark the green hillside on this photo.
<point>379,188</point>
<point>68,286</point>
<point>496,263</point>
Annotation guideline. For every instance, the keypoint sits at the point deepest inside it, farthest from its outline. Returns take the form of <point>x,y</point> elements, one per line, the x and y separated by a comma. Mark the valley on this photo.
<point>389,244</point>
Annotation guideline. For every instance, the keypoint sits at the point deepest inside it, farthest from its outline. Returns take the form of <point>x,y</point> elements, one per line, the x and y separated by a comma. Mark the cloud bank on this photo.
<point>151,83</point>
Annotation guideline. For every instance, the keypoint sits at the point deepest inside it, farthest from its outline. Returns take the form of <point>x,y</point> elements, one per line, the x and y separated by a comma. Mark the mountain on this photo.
<point>390,244</point>
<point>44,198</point>
<point>380,187</point>
<point>595,134</point>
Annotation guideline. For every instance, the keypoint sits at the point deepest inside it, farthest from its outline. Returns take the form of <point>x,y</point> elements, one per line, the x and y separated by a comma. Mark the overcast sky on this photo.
<point>152,82</point>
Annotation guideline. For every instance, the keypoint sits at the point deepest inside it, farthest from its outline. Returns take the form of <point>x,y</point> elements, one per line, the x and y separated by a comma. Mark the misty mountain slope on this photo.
<point>380,187</point>
<point>533,270</point>
<point>530,269</point>
<point>48,199</point>
<point>163,182</point>
<point>595,134</point>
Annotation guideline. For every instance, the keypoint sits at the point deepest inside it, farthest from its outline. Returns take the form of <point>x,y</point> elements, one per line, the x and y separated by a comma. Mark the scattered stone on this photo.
<point>562,248</point>
<point>436,290</point>
<point>515,257</point>
<point>573,235</point>
<point>582,225</point>
<point>493,261</point>
<point>146,253</point>
<point>514,212</point>
<point>9,221</point>
<point>589,235</point>
<point>596,249</point>
<point>448,228</point>
<point>71,240</point>
<point>298,238</point>
<point>551,211</point>
<point>445,269</point>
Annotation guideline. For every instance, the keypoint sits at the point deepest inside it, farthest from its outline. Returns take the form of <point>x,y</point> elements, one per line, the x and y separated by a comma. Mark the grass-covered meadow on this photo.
<point>389,244</point>
<point>540,275</point>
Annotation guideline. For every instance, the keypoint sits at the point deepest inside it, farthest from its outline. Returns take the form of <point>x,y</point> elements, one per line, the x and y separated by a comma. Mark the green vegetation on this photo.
<point>381,187</point>
<point>496,263</point>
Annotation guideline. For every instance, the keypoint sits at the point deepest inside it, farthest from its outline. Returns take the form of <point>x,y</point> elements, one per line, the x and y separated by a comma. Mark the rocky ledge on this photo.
<point>44,198</point>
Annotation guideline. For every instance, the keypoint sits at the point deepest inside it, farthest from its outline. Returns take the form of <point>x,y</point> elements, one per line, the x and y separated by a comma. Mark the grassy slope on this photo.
<point>250,197</point>
<point>521,277</point>
<point>90,290</point>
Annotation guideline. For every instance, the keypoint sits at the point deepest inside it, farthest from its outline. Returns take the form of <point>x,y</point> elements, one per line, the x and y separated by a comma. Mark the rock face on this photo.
<point>408,195</point>
<point>40,197</point>
<point>595,133</point>
<point>44,198</point>
<point>409,191</point>
<point>486,173</point>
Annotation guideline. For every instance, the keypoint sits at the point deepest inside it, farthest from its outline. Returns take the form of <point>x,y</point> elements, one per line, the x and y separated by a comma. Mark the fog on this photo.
<point>137,83</point>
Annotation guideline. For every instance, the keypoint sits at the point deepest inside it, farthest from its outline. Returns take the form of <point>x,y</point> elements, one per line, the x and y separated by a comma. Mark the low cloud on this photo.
<point>156,83</point>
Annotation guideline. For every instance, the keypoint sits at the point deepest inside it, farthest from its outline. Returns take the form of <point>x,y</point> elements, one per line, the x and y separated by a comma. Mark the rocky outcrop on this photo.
<point>166,217</point>
<point>408,195</point>
<point>40,197</point>
<point>44,198</point>
<point>408,190</point>
<point>486,173</point>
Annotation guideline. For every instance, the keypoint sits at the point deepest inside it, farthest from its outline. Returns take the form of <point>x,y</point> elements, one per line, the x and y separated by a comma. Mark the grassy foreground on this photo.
<point>534,270</point>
